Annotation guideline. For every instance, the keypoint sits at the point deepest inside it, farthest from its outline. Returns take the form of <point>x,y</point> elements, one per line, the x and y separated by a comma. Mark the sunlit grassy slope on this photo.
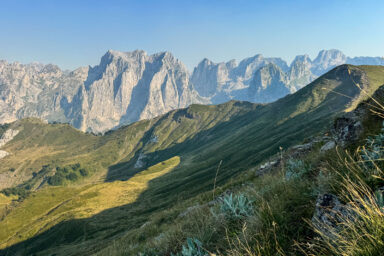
<point>51,205</point>
<point>240,134</point>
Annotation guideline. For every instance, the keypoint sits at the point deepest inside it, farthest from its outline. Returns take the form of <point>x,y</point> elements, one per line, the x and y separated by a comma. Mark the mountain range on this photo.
<point>156,182</point>
<point>129,86</point>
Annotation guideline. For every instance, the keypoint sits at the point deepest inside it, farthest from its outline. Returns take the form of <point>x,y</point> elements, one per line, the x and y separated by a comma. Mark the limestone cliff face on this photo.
<point>326,60</point>
<point>126,87</point>
<point>269,84</point>
<point>299,73</point>
<point>123,88</point>
<point>221,82</point>
<point>35,90</point>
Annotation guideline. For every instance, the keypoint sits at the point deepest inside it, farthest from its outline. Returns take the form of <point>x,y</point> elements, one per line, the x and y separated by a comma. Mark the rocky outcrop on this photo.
<point>329,211</point>
<point>328,146</point>
<point>140,162</point>
<point>3,154</point>
<point>347,129</point>
<point>7,136</point>
<point>267,167</point>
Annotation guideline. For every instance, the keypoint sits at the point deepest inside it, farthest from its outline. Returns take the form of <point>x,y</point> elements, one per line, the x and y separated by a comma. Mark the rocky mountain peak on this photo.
<point>302,58</point>
<point>231,64</point>
<point>326,60</point>
<point>268,80</point>
<point>50,68</point>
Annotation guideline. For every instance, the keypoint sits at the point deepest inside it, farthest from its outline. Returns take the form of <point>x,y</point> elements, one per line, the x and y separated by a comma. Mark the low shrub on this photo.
<point>72,176</point>
<point>69,173</point>
<point>296,169</point>
<point>235,206</point>
<point>193,248</point>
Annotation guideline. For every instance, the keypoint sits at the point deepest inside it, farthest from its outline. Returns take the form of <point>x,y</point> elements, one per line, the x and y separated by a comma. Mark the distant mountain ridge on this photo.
<point>262,80</point>
<point>130,86</point>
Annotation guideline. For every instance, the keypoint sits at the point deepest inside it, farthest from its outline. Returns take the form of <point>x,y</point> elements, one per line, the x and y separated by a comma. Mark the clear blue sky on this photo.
<point>73,33</point>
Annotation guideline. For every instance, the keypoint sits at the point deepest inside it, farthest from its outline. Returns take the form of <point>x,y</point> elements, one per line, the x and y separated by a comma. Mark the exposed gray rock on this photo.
<point>379,193</point>
<point>328,146</point>
<point>266,167</point>
<point>347,129</point>
<point>133,86</point>
<point>299,74</point>
<point>269,84</point>
<point>3,154</point>
<point>298,150</point>
<point>140,161</point>
<point>302,147</point>
<point>329,212</point>
<point>221,82</point>
<point>189,210</point>
<point>7,136</point>
<point>153,139</point>
<point>326,60</point>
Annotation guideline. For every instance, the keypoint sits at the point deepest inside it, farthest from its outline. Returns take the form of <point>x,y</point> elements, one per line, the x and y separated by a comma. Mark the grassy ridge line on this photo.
<point>281,206</point>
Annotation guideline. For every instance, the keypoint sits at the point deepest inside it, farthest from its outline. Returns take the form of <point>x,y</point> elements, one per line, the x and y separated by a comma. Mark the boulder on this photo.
<point>328,146</point>
<point>347,129</point>
<point>3,154</point>
<point>264,168</point>
<point>329,212</point>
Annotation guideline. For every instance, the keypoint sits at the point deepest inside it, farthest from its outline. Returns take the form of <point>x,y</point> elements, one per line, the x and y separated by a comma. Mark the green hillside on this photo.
<point>70,193</point>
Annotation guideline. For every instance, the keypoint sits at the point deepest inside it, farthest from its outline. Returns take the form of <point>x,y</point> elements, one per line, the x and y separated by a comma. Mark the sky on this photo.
<point>74,33</point>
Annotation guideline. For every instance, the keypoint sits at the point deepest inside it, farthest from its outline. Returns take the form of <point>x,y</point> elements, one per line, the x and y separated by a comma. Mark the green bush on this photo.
<point>83,172</point>
<point>72,176</point>
<point>67,173</point>
<point>56,180</point>
<point>19,191</point>
<point>75,166</point>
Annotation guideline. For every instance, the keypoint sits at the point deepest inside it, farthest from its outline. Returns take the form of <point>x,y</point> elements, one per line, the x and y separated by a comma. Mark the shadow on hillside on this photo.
<point>199,158</point>
<point>95,232</point>
<point>189,147</point>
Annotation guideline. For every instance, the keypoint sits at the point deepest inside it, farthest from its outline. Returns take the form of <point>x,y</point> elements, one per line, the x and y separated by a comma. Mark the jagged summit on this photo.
<point>301,58</point>
<point>129,86</point>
